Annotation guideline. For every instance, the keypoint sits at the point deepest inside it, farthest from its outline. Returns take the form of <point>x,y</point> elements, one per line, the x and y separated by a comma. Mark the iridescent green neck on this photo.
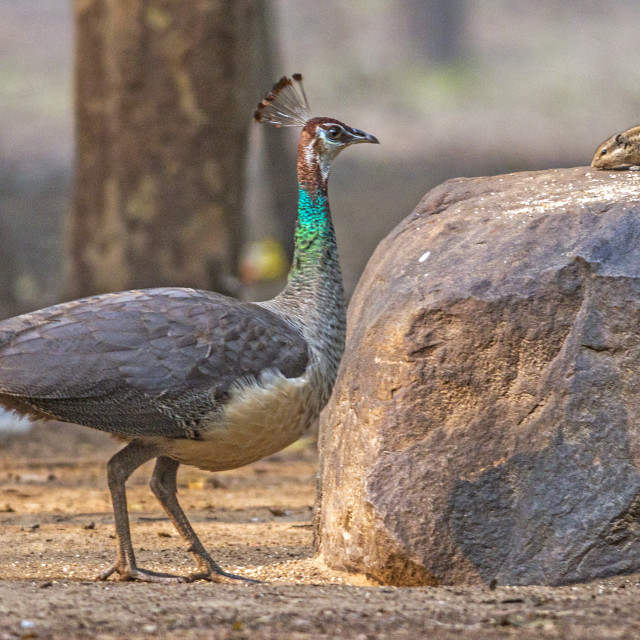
<point>315,241</point>
<point>314,295</point>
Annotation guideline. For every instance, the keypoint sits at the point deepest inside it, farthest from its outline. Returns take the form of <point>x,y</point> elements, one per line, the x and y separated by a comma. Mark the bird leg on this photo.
<point>163,485</point>
<point>119,468</point>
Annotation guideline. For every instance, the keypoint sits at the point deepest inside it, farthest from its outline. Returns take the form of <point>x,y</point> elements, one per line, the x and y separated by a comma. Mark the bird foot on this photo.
<point>220,576</point>
<point>128,574</point>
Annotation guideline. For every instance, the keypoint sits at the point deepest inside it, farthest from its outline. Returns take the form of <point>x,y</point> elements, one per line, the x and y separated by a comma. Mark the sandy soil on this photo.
<point>56,535</point>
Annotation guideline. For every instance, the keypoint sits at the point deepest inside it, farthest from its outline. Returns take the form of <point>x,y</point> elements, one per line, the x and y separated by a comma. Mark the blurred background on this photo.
<point>450,87</point>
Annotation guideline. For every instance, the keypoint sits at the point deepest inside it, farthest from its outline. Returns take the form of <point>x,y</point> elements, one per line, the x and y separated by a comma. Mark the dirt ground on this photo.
<point>56,535</point>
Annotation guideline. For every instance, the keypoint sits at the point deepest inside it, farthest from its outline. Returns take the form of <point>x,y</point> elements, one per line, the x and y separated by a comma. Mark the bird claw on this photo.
<point>211,574</point>
<point>129,574</point>
<point>220,576</point>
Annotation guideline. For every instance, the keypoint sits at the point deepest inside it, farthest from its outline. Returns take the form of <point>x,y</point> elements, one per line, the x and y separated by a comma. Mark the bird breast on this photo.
<point>261,417</point>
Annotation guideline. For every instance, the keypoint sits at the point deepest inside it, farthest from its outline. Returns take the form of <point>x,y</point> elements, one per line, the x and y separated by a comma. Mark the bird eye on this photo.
<point>334,132</point>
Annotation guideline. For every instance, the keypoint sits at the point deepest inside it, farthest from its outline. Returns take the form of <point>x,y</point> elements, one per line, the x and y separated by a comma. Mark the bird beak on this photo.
<point>361,136</point>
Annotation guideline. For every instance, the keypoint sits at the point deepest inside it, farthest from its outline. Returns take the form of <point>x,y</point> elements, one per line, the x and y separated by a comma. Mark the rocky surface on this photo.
<point>485,425</point>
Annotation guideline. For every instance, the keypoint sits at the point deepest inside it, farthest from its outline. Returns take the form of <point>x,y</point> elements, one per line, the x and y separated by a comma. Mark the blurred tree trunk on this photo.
<point>278,154</point>
<point>164,96</point>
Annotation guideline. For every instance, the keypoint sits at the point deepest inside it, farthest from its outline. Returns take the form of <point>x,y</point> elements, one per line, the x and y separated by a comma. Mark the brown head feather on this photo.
<point>285,105</point>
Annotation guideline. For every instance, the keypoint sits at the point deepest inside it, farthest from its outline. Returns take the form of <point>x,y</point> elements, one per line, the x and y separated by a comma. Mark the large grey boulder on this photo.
<point>486,419</point>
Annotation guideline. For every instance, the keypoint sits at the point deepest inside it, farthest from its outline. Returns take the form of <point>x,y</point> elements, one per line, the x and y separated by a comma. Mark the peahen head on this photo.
<point>315,264</point>
<point>322,138</point>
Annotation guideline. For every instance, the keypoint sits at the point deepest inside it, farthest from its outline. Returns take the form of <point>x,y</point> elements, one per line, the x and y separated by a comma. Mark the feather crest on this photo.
<point>286,104</point>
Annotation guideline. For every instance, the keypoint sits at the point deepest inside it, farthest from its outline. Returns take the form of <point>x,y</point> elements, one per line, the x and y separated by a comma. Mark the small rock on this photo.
<point>302,622</point>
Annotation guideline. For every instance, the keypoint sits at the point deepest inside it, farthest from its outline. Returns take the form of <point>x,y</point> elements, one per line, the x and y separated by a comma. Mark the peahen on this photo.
<point>194,377</point>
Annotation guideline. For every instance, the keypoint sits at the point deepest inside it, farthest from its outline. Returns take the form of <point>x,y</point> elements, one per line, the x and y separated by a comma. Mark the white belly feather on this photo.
<point>259,419</point>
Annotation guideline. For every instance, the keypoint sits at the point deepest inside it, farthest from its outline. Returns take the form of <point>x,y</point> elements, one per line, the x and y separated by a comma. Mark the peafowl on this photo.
<point>190,376</point>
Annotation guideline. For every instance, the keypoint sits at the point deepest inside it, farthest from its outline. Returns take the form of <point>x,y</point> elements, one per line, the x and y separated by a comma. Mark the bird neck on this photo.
<point>315,249</point>
<point>314,295</point>
<point>314,291</point>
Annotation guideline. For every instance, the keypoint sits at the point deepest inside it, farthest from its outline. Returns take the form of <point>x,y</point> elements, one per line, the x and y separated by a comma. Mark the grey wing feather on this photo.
<point>150,362</point>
